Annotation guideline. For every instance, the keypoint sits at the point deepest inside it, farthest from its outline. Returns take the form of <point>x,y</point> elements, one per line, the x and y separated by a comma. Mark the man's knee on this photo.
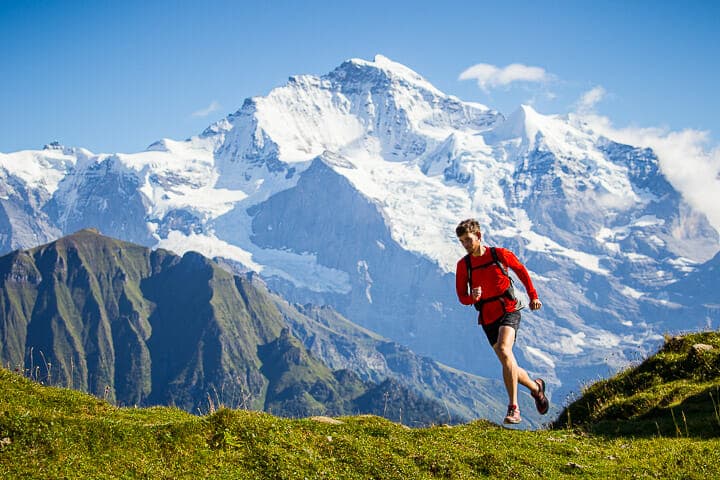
<point>503,351</point>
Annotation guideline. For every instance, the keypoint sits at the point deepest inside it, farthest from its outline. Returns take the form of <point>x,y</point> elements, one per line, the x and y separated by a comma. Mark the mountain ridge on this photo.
<point>603,233</point>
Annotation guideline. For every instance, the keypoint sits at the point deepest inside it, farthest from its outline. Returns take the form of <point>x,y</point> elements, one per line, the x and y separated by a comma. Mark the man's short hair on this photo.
<point>467,226</point>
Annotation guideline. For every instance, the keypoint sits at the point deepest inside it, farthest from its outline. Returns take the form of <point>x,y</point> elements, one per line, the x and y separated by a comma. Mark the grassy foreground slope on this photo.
<point>50,432</point>
<point>674,392</point>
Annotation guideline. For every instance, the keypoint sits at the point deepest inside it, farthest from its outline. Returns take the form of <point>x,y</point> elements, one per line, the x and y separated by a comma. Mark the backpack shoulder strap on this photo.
<point>510,292</point>
<point>497,261</point>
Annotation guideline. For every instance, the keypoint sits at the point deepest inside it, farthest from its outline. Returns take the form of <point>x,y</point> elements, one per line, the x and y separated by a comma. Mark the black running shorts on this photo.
<point>492,330</point>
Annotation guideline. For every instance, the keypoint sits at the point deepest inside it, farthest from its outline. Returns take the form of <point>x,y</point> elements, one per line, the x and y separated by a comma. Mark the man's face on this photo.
<point>470,241</point>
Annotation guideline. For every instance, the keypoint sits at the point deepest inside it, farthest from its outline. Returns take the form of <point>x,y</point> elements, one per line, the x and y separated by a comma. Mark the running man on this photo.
<point>482,280</point>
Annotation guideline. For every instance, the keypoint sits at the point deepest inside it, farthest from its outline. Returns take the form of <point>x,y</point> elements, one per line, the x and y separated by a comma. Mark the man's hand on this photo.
<point>476,293</point>
<point>535,304</point>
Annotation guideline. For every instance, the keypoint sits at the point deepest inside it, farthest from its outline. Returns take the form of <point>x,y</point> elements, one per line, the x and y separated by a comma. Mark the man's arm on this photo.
<point>461,284</point>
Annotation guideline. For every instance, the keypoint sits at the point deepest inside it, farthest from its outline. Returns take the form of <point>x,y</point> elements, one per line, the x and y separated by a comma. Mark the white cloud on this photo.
<point>686,159</point>
<point>489,76</point>
<point>214,106</point>
<point>589,99</point>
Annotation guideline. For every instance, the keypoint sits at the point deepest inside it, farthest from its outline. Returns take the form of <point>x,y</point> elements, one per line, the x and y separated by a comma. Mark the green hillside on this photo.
<point>49,432</point>
<point>141,327</point>
<point>130,324</point>
<point>674,392</point>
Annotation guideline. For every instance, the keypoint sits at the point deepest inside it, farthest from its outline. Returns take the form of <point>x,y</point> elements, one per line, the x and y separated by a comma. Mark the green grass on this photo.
<point>674,393</point>
<point>48,432</point>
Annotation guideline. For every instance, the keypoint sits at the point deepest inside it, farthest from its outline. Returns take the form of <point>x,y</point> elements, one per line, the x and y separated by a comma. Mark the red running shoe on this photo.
<point>513,415</point>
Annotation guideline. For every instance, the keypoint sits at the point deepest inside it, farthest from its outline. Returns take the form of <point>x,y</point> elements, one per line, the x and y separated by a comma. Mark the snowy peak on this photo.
<point>555,156</point>
<point>381,71</point>
<point>518,125</point>
<point>532,130</point>
<point>42,169</point>
<point>361,105</point>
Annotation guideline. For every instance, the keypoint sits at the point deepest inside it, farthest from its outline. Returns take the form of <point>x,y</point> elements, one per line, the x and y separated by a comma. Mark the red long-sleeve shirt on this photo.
<point>492,281</point>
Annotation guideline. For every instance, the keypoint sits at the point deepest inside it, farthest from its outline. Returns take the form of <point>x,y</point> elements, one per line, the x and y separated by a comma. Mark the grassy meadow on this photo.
<point>659,419</point>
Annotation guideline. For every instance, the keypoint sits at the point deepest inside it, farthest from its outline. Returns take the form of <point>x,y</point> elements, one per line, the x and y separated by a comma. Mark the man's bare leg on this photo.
<point>512,373</point>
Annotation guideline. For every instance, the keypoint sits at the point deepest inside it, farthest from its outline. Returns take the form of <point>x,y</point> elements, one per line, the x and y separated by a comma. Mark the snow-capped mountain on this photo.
<point>345,189</point>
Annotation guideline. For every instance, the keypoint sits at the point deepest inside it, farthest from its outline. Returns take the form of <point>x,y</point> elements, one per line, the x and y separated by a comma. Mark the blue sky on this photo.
<point>116,76</point>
